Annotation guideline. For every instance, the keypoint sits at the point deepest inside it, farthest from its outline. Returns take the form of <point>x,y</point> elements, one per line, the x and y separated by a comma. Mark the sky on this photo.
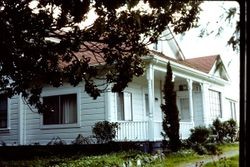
<point>194,46</point>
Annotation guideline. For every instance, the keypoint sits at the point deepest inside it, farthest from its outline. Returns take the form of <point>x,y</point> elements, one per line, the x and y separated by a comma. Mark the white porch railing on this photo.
<point>132,131</point>
<point>138,130</point>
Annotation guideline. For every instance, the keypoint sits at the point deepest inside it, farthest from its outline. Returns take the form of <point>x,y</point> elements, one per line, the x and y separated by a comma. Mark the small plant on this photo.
<point>200,149</point>
<point>56,141</point>
<point>231,129</point>
<point>226,130</point>
<point>199,134</point>
<point>105,131</point>
<point>213,149</point>
<point>81,140</point>
<point>199,140</point>
<point>2,143</point>
<point>218,129</point>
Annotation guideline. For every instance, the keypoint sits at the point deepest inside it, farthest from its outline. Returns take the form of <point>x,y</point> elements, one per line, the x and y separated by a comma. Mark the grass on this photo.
<point>189,156</point>
<point>229,147</point>
<point>118,159</point>
<point>225,162</point>
<point>176,159</point>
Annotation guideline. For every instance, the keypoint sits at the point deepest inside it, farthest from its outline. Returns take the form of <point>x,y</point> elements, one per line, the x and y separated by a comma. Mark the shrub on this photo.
<point>105,131</point>
<point>231,129</point>
<point>56,141</point>
<point>218,128</point>
<point>200,149</point>
<point>2,143</point>
<point>199,134</point>
<point>224,130</point>
<point>81,140</point>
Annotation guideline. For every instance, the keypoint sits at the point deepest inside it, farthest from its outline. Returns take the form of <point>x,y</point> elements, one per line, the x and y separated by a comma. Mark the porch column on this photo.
<point>204,91</point>
<point>108,115</point>
<point>150,79</point>
<point>190,94</point>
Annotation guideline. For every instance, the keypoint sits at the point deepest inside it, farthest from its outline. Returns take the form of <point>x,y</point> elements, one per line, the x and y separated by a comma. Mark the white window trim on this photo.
<point>8,116</point>
<point>58,92</point>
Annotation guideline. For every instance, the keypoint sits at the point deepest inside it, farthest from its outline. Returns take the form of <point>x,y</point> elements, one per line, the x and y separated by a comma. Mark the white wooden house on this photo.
<point>200,98</point>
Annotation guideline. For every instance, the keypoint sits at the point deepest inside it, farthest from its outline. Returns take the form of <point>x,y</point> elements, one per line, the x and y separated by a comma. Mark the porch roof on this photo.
<point>203,64</point>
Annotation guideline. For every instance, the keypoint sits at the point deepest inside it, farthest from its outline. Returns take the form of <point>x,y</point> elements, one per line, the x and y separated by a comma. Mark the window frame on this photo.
<point>60,92</point>
<point>213,113</point>
<point>232,106</point>
<point>7,128</point>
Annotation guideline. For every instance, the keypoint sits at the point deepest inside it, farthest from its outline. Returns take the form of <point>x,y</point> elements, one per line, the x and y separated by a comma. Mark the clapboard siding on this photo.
<point>10,136</point>
<point>90,112</point>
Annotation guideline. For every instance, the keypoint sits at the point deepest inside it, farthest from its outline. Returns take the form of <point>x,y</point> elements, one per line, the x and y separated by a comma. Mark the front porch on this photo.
<point>138,111</point>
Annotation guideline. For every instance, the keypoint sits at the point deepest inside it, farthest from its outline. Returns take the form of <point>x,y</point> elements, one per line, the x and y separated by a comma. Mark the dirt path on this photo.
<point>210,159</point>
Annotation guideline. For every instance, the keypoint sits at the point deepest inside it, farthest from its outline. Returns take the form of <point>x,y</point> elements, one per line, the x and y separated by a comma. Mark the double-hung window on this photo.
<point>124,106</point>
<point>233,109</point>
<point>184,109</point>
<point>3,111</point>
<point>215,104</point>
<point>62,109</point>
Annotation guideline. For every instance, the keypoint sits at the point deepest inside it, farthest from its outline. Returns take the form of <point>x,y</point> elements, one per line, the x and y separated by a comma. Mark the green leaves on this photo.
<point>170,111</point>
<point>45,45</point>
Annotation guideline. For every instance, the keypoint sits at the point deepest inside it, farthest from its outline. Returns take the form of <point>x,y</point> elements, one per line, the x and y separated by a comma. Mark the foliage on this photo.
<point>56,141</point>
<point>109,160</point>
<point>105,131</point>
<point>224,130</point>
<point>219,130</point>
<point>170,111</point>
<point>80,139</point>
<point>116,159</point>
<point>231,129</point>
<point>213,149</point>
<point>199,134</point>
<point>201,143</point>
<point>53,43</point>
<point>2,143</point>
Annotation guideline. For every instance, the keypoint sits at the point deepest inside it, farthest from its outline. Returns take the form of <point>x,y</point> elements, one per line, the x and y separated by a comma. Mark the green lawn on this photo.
<point>228,147</point>
<point>118,159</point>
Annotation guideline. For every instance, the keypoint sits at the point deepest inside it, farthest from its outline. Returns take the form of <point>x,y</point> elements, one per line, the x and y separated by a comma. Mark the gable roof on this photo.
<point>204,64</point>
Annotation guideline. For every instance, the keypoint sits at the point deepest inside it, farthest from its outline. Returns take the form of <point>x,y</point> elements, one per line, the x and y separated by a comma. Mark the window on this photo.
<point>63,109</point>
<point>232,109</point>
<point>184,109</point>
<point>3,111</point>
<point>124,106</point>
<point>215,104</point>
<point>147,104</point>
